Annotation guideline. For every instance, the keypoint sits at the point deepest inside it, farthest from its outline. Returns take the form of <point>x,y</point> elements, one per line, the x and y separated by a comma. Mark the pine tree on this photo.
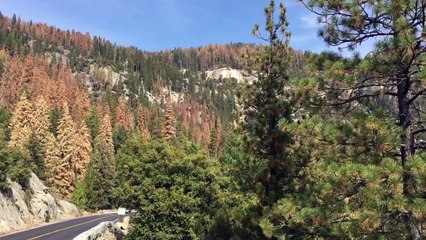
<point>119,136</point>
<point>361,139</point>
<point>57,167</point>
<point>205,128</point>
<point>219,131</point>
<point>83,151</point>
<point>37,154</point>
<point>11,82</point>
<point>212,144</point>
<point>123,117</point>
<point>181,132</point>
<point>264,104</point>
<point>156,122</point>
<point>67,143</point>
<point>215,138</point>
<point>35,76</point>
<point>391,77</point>
<point>169,126</point>
<point>105,134</point>
<point>100,176</point>
<point>93,122</point>
<point>142,123</point>
<point>21,123</point>
<point>41,121</point>
<point>55,116</point>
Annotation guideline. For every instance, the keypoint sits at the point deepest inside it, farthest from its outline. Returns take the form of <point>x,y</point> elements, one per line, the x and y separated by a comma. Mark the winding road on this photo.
<point>65,230</point>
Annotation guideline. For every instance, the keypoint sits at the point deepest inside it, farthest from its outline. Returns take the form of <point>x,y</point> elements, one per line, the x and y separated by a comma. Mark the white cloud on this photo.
<point>309,21</point>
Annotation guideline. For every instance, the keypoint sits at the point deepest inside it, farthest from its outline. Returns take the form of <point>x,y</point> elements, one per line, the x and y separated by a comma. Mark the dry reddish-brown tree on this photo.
<point>169,127</point>
<point>11,82</point>
<point>72,90</point>
<point>142,121</point>
<point>57,171</point>
<point>52,34</point>
<point>31,73</point>
<point>83,150</point>
<point>123,116</point>
<point>216,137</point>
<point>105,134</point>
<point>41,121</point>
<point>82,106</point>
<point>67,142</point>
<point>37,77</point>
<point>205,126</point>
<point>21,123</point>
<point>197,120</point>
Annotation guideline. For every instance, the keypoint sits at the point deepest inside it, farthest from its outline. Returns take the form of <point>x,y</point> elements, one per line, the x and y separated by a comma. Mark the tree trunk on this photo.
<point>407,150</point>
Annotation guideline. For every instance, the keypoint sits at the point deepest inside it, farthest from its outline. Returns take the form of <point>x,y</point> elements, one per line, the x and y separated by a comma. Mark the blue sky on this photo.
<point>165,24</point>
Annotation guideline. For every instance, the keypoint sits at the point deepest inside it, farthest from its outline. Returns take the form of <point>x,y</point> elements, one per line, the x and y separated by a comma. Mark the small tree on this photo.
<point>37,154</point>
<point>13,164</point>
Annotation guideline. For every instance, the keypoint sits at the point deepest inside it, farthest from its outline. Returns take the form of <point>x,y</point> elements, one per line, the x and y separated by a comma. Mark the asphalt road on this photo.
<point>66,230</point>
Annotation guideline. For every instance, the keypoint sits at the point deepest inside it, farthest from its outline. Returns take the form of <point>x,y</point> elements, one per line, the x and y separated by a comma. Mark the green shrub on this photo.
<point>14,163</point>
<point>79,197</point>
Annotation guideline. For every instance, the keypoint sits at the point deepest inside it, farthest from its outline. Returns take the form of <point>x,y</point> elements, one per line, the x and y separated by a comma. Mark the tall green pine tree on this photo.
<point>264,104</point>
<point>99,179</point>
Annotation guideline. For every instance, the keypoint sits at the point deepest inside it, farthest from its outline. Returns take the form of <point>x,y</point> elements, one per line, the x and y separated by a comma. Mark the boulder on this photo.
<point>102,231</point>
<point>33,204</point>
<point>124,225</point>
<point>42,205</point>
<point>20,199</point>
<point>67,209</point>
<point>11,217</point>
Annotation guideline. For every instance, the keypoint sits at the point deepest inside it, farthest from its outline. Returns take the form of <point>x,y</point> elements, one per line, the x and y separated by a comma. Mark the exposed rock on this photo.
<point>222,73</point>
<point>12,207</point>
<point>112,233</point>
<point>67,209</point>
<point>102,231</point>
<point>123,226</point>
<point>107,235</point>
<point>111,76</point>
<point>175,97</point>
<point>42,205</point>
<point>34,204</point>
<point>60,58</point>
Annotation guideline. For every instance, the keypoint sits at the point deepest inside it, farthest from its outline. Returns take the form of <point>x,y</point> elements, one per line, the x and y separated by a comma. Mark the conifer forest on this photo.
<point>294,144</point>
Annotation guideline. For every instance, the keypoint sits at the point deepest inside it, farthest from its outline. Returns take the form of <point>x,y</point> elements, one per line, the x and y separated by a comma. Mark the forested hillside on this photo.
<point>89,71</point>
<point>236,141</point>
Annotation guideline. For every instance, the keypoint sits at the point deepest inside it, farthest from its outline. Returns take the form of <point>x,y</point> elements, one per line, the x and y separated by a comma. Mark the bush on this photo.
<point>79,197</point>
<point>14,164</point>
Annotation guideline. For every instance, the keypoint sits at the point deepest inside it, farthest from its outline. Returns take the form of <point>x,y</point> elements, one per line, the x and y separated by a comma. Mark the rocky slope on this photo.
<point>223,73</point>
<point>20,208</point>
